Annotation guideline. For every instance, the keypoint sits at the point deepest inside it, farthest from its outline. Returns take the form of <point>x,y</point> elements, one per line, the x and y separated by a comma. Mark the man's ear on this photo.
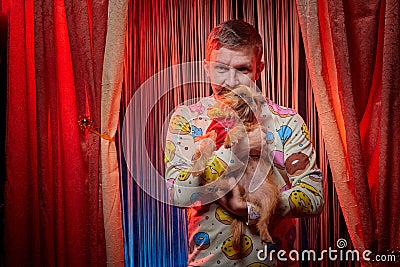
<point>260,68</point>
<point>206,65</point>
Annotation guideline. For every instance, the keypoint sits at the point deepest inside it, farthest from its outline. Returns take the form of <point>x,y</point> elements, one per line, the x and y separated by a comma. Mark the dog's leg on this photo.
<point>237,229</point>
<point>266,198</point>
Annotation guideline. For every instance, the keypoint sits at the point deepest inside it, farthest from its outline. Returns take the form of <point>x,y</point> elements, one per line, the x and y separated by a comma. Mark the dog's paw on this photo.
<point>264,234</point>
<point>230,142</point>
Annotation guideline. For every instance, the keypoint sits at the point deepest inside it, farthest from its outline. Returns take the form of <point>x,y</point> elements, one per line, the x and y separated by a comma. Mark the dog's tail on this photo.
<point>237,228</point>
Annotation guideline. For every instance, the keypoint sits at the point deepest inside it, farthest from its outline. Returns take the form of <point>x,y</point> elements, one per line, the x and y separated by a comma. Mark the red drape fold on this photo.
<point>354,69</point>
<point>350,32</point>
<point>21,188</point>
<point>53,203</point>
<point>388,195</point>
<point>87,27</point>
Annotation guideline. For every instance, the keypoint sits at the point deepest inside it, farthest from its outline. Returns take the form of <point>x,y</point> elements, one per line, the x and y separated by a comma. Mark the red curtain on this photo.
<point>352,50</point>
<point>386,197</point>
<point>53,204</point>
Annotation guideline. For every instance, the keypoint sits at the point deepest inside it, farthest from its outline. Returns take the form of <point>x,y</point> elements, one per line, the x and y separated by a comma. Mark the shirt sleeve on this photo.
<point>305,197</point>
<point>180,147</point>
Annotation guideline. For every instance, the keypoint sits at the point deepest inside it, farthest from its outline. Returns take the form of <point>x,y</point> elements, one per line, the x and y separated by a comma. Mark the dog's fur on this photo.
<point>245,105</point>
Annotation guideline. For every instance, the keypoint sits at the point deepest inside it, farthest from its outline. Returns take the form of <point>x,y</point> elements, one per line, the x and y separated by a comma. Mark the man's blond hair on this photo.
<point>235,35</point>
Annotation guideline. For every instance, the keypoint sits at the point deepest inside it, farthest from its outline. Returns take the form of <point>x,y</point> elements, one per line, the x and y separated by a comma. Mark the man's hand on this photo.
<point>257,141</point>
<point>233,201</point>
<point>251,145</point>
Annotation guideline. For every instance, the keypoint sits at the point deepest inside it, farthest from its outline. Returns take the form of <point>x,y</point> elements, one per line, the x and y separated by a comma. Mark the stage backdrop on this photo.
<point>62,202</point>
<point>352,53</point>
<point>165,33</point>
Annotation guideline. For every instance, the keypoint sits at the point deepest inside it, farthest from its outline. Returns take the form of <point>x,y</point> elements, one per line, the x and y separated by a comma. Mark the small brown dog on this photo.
<point>244,105</point>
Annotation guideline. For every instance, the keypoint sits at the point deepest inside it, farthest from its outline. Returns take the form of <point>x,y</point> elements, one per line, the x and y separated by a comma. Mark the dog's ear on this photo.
<point>259,99</point>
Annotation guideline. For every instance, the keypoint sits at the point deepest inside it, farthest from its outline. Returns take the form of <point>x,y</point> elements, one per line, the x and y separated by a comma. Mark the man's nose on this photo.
<point>232,80</point>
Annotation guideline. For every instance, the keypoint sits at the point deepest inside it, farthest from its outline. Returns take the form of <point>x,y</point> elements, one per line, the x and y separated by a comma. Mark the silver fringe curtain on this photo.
<point>166,33</point>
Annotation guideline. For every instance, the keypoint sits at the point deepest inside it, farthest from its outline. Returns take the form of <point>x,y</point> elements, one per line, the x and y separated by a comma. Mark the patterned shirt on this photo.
<point>294,172</point>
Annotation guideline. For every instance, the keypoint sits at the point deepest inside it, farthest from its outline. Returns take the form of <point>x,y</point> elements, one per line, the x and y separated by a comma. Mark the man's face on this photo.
<point>230,68</point>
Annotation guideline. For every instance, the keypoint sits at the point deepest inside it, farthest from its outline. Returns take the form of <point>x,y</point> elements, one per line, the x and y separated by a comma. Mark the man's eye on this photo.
<point>244,70</point>
<point>221,68</point>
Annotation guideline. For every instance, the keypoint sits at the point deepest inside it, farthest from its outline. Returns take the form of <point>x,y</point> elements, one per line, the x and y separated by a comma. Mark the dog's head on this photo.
<point>244,101</point>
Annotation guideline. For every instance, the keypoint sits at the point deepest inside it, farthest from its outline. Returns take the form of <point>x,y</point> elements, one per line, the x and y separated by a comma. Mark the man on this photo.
<point>234,57</point>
